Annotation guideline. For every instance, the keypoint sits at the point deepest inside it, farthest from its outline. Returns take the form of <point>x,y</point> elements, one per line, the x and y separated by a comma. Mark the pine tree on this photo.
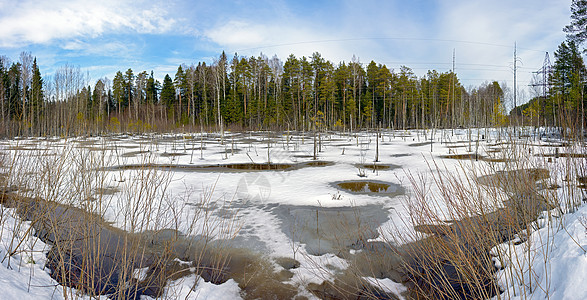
<point>306,81</point>
<point>129,87</point>
<point>140,91</point>
<point>567,82</point>
<point>577,30</point>
<point>384,79</point>
<point>318,65</point>
<point>291,86</point>
<point>341,77</point>
<point>372,83</point>
<point>118,91</point>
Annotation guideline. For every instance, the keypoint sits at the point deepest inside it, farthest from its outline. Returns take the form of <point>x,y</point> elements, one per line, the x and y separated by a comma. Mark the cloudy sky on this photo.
<point>109,35</point>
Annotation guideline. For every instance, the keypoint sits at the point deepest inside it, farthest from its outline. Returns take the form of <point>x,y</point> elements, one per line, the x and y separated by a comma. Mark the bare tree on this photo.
<point>276,71</point>
<point>140,91</point>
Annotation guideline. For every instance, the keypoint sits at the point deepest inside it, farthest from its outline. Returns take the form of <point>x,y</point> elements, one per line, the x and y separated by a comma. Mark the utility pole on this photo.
<point>515,69</point>
<point>516,59</point>
<point>453,79</point>
<point>453,89</point>
<point>515,90</point>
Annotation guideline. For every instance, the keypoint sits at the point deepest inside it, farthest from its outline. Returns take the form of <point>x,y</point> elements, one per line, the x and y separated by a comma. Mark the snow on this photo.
<point>192,287</point>
<point>22,275</point>
<point>249,197</point>
<point>387,285</point>
<point>558,261</point>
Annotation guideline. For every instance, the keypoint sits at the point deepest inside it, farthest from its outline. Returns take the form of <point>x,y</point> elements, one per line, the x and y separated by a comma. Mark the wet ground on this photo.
<point>331,230</point>
<point>371,187</point>
<point>98,259</point>
<point>458,252</point>
<point>454,260</point>
<point>245,167</point>
<point>344,231</point>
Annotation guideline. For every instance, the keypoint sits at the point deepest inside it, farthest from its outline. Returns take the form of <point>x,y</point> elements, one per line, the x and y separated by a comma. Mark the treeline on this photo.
<point>243,92</point>
<point>559,92</point>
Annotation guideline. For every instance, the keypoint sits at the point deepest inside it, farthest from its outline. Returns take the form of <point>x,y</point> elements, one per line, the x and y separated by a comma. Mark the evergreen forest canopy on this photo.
<point>266,93</point>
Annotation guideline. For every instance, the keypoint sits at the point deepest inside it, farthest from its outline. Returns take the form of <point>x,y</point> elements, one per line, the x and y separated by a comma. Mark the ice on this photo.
<point>276,209</point>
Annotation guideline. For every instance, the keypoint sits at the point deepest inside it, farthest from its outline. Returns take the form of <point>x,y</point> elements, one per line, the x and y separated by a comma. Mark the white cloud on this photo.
<point>534,25</point>
<point>101,48</point>
<point>240,34</point>
<point>285,37</point>
<point>38,22</point>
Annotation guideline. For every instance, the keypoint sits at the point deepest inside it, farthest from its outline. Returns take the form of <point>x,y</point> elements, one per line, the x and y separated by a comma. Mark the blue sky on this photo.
<point>104,36</point>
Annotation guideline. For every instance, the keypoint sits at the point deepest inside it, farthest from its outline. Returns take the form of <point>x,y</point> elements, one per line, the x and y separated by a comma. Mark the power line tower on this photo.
<point>544,75</point>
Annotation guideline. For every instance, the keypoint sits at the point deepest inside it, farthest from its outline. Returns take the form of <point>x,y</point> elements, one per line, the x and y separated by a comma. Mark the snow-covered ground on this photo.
<point>263,210</point>
<point>552,264</point>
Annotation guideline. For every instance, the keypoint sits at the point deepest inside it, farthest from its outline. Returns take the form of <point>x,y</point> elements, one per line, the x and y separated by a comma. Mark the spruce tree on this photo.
<point>180,87</point>
<point>168,92</point>
<point>151,93</point>
<point>36,93</point>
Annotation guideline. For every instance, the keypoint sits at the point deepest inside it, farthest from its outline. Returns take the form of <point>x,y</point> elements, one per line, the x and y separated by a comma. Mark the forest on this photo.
<point>307,93</point>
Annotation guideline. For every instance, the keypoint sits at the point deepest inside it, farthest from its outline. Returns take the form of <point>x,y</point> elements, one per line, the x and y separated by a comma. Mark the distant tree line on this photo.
<point>264,93</point>
<point>559,99</point>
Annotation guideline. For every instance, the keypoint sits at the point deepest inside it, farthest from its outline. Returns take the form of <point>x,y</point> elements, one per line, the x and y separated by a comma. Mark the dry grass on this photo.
<point>459,220</point>
<point>466,222</point>
<point>458,217</point>
<point>66,197</point>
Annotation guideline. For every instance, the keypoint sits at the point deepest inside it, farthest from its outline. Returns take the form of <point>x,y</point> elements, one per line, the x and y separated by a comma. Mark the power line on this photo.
<point>448,63</point>
<point>380,38</point>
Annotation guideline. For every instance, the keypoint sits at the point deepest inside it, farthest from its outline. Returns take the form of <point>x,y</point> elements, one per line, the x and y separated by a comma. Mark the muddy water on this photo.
<point>208,168</point>
<point>238,167</point>
<point>454,261</point>
<point>98,259</point>
<point>520,181</point>
<point>457,253</point>
<point>378,167</point>
<point>331,229</point>
<point>419,144</point>
<point>468,156</point>
<point>370,187</point>
<point>463,247</point>
<point>86,253</point>
<point>474,156</point>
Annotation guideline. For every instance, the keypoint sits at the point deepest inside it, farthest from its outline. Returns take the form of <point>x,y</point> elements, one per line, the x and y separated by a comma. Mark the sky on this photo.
<point>102,37</point>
